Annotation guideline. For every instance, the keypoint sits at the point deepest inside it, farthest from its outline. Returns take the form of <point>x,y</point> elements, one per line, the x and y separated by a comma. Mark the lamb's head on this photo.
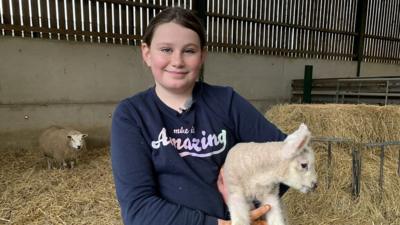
<point>301,173</point>
<point>76,140</point>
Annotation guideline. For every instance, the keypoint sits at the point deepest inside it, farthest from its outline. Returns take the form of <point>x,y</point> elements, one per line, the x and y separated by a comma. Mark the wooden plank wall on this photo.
<point>383,32</point>
<point>323,29</point>
<point>296,28</point>
<point>108,21</point>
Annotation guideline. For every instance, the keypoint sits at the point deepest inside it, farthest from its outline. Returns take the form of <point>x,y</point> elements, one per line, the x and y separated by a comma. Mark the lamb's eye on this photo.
<point>304,165</point>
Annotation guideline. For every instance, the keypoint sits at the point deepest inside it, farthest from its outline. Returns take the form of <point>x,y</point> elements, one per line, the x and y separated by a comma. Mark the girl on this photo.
<point>168,143</point>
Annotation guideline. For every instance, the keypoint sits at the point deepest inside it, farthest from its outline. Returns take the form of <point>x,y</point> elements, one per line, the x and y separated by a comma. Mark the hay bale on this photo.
<point>363,124</point>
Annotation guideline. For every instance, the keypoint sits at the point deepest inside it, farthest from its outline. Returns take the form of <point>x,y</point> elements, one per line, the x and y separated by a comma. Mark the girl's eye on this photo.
<point>304,165</point>
<point>190,51</point>
<point>166,50</point>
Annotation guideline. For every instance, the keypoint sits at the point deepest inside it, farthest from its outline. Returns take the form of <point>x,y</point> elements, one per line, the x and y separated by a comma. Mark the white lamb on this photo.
<point>62,145</point>
<point>255,170</point>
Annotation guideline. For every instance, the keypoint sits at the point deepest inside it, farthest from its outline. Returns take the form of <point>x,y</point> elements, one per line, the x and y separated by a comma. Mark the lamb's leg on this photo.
<point>239,209</point>
<point>72,164</point>
<point>64,164</point>
<point>49,164</point>
<point>275,215</point>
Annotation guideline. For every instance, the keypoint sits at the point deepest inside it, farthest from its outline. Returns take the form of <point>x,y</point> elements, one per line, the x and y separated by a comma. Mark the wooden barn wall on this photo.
<point>346,30</point>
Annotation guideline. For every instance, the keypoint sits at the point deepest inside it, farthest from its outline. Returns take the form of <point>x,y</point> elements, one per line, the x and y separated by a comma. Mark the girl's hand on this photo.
<point>255,214</point>
<point>221,185</point>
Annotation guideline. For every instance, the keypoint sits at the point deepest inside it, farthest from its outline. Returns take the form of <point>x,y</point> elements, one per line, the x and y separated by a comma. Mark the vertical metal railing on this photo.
<point>356,154</point>
<point>330,141</point>
<point>383,148</point>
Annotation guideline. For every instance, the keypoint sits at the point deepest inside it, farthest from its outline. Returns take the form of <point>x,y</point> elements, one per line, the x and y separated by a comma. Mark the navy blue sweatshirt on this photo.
<point>166,164</point>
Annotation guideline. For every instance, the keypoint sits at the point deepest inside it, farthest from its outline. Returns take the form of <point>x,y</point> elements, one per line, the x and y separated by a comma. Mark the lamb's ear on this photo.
<point>296,142</point>
<point>84,135</point>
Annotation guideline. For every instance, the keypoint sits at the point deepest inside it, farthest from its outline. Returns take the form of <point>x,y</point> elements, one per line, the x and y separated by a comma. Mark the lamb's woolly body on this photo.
<point>246,171</point>
<point>55,145</point>
<point>255,170</point>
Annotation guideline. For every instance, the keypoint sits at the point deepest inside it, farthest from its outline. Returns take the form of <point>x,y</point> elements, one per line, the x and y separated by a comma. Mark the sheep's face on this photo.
<point>77,141</point>
<point>301,173</point>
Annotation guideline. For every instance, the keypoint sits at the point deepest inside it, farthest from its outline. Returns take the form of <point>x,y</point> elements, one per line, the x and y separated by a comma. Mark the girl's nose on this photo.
<point>176,59</point>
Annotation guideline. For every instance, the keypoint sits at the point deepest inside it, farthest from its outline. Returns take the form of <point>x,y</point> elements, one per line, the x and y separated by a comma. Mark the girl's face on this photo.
<point>175,57</point>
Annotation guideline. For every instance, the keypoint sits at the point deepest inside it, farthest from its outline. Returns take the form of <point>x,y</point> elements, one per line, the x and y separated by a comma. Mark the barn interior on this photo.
<point>334,65</point>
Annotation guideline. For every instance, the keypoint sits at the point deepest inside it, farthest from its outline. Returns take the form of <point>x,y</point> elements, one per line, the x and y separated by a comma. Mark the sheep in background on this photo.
<point>62,145</point>
<point>255,170</point>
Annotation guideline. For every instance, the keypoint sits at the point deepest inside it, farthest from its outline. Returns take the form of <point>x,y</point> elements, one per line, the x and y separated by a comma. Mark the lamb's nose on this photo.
<point>314,185</point>
<point>79,147</point>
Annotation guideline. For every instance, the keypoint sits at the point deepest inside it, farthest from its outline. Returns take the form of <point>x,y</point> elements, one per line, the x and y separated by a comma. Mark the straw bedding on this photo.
<point>31,194</point>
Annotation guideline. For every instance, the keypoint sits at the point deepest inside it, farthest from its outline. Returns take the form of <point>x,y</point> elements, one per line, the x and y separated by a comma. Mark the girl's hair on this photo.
<point>177,15</point>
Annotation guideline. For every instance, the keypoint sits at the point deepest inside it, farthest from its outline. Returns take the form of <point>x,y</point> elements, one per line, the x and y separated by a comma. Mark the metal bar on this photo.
<point>387,92</point>
<point>386,143</point>
<point>376,94</point>
<point>368,79</point>
<point>337,92</point>
<point>329,164</point>
<point>382,156</point>
<point>398,165</point>
<point>359,91</point>
<point>356,172</point>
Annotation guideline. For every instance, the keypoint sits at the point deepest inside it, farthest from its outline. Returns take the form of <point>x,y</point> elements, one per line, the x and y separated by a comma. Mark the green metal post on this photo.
<point>307,84</point>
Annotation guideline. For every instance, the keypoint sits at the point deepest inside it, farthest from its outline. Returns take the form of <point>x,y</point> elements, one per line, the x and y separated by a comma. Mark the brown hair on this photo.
<point>183,17</point>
